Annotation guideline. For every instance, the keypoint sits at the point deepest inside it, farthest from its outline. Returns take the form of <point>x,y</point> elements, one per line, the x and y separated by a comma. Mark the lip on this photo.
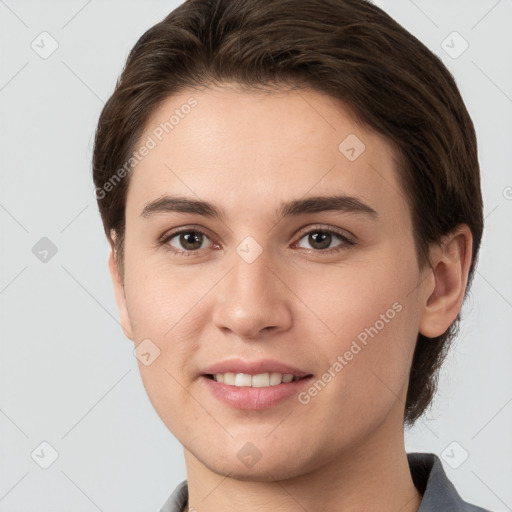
<point>237,365</point>
<point>253,398</point>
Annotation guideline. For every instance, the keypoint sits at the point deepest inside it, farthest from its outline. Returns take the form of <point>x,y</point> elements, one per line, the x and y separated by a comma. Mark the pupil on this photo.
<point>188,240</point>
<point>321,238</point>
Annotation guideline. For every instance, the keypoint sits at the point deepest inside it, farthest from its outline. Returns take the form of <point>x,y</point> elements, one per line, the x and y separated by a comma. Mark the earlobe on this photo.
<point>118,285</point>
<point>451,261</point>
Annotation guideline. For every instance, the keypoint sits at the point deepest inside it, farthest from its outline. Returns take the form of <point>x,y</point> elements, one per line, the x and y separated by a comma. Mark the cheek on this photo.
<point>169,307</point>
<point>160,298</point>
<point>343,300</point>
<point>363,319</point>
<point>164,310</point>
<point>365,368</point>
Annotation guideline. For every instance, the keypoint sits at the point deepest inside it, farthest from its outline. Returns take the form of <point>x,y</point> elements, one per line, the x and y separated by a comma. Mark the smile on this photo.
<point>260,380</point>
<point>254,392</point>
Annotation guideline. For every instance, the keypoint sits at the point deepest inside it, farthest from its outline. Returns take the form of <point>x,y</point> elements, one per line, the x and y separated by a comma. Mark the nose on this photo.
<point>252,299</point>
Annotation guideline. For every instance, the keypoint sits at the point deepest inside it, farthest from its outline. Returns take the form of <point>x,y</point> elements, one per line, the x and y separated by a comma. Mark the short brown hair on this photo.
<point>348,49</point>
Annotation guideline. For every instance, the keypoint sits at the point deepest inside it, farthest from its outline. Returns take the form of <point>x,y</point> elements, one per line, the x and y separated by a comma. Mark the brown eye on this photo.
<point>321,240</point>
<point>187,240</point>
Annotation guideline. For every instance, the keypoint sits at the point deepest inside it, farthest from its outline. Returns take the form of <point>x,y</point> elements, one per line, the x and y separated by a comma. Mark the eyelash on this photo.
<point>345,241</point>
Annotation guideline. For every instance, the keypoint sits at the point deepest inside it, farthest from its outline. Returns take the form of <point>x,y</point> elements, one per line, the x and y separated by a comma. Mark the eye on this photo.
<point>190,241</point>
<point>185,241</point>
<point>321,239</point>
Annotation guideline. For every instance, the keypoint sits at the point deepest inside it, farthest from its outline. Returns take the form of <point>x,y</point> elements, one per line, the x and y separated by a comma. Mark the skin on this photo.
<point>246,152</point>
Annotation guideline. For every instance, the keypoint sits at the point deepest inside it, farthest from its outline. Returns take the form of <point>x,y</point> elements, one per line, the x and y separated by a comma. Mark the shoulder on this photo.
<point>438,492</point>
<point>178,500</point>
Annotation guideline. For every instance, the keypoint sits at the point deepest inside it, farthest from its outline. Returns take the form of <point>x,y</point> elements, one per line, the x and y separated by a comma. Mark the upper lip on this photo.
<point>237,365</point>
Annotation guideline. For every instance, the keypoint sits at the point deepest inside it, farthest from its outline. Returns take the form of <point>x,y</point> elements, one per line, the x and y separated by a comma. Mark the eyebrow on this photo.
<point>338,203</point>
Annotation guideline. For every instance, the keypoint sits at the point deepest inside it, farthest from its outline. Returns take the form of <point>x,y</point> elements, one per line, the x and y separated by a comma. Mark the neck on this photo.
<point>372,475</point>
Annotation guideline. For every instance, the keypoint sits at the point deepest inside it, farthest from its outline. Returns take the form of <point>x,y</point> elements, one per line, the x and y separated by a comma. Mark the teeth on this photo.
<point>261,380</point>
<point>275,378</point>
<point>243,379</point>
<point>229,378</point>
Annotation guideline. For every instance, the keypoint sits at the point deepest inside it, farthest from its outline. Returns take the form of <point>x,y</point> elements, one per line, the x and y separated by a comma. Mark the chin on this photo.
<point>258,473</point>
<point>277,466</point>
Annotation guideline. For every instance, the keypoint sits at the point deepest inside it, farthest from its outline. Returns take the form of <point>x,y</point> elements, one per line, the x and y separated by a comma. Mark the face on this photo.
<point>270,279</point>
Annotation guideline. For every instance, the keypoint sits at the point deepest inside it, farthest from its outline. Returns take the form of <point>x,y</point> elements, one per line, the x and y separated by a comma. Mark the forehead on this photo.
<point>249,149</point>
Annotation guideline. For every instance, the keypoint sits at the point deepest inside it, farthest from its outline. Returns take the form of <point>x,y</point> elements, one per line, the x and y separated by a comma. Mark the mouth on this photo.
<point>255,391</point>
<point>259,380</point>
<point>254,385</point>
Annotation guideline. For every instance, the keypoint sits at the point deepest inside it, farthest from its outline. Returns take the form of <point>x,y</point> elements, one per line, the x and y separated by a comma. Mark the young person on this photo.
<point>292,196</point>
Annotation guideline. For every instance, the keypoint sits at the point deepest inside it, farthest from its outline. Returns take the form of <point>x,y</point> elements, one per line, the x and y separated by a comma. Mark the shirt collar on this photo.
<point>438,492</point>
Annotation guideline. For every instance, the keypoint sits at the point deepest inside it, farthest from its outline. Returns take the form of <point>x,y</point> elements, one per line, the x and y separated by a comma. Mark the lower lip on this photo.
<point>246,397</point>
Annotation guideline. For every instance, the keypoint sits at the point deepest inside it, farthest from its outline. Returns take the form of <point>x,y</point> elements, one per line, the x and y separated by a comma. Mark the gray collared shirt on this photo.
<point>428,476</point>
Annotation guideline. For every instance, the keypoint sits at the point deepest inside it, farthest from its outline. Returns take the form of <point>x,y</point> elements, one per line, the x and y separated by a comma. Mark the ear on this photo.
<point>117,282</point>
<point>444,291</point>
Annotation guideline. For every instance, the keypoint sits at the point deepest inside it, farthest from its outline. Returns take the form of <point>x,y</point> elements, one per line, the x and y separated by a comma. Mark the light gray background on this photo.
<point>67,374</point>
